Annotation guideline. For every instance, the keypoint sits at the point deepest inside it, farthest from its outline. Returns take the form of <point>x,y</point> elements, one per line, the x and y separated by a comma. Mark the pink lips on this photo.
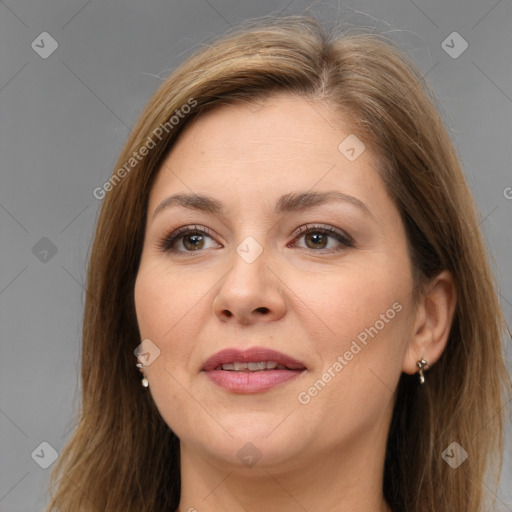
<point>247,381</point>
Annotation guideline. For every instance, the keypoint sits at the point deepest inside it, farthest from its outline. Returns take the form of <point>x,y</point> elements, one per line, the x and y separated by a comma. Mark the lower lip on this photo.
<point>251,382</point>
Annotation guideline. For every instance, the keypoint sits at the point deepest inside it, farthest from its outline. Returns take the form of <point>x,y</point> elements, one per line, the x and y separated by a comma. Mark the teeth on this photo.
<point>252,367</point>
<point>257,366</point>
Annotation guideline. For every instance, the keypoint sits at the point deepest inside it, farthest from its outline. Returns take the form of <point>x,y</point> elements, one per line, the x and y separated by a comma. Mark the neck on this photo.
<point>342,479</point>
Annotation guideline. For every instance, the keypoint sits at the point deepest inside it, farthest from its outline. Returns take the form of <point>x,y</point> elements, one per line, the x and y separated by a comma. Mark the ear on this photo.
<point>433,320</point>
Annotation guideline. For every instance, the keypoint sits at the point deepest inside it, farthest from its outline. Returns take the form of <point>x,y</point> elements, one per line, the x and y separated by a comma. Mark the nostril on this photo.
<point>262,310</point>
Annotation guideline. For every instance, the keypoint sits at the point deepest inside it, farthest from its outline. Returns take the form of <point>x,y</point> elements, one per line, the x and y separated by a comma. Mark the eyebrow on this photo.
<point>292,202</point>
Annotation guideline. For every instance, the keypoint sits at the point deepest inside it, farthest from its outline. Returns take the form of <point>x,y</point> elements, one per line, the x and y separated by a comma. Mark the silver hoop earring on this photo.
<point>144,381</point>
<point>422,365</point>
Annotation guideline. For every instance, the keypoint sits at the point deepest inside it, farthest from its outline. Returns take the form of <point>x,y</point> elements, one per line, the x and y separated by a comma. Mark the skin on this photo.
<point>305,295</point>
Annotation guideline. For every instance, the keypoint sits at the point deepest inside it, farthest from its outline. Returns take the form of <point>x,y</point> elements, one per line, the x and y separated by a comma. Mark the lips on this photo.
<point>252,355</point>
<point>251,371</point>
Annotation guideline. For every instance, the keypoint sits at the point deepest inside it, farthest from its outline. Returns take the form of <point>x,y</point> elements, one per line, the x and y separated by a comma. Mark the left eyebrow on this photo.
<point>292,202</point>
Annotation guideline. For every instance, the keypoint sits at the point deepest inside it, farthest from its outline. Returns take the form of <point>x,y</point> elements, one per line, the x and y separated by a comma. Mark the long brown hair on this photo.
<point>122,457</point>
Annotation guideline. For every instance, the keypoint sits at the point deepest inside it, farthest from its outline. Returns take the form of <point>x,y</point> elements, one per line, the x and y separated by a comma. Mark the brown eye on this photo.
<point>316,240</point>
<point>193,242</point>
<point>187,239</point>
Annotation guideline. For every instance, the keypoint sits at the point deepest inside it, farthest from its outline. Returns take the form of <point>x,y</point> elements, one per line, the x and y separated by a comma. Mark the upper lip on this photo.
<point>251,355</point>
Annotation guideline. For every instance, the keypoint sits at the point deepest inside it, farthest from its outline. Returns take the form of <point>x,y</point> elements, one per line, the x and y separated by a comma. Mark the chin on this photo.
<point>256,439</point>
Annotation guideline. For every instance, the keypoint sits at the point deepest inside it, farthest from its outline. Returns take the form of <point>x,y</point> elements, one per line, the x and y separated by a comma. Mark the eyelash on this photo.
<point>167,243</point>
<point>341,237</point>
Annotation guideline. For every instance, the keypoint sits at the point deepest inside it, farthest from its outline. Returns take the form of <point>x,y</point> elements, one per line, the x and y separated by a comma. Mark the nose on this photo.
<point>250,292</point>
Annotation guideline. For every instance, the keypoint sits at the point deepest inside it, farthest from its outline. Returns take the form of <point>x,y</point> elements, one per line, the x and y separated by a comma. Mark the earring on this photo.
<point>422,365</point>
<point>144,381</point>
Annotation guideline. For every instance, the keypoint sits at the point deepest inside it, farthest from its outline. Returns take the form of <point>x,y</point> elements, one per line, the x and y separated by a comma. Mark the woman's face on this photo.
<point>287,242</point>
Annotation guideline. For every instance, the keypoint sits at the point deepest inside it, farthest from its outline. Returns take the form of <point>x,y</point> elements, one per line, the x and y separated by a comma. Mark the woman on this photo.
<point>289,253</point>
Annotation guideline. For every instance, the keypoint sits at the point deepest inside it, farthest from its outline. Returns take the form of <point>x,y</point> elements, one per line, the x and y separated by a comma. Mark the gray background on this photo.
<point>64,119</point>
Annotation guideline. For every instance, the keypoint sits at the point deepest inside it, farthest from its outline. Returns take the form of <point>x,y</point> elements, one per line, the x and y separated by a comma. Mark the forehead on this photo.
<point>278,143</point>
<point>273,123</point>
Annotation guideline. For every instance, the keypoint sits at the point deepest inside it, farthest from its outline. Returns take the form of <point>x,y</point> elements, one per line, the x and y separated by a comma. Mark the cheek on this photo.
<point>165,305</point>
<point>365,325</point>
<point>350,302</point>
<point>161,310</point>
<point>164,299</point>
<point>151,301</point>
<point>366,319</point>
<point>172,308</point>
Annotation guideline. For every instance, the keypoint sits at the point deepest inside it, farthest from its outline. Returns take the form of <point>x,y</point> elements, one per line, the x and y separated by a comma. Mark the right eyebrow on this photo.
<point>292,202</point>
<point>192,201</point>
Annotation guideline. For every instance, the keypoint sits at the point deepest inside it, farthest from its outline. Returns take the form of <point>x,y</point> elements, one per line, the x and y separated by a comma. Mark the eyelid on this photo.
<point>166,242</point>
<point>340,235</point>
